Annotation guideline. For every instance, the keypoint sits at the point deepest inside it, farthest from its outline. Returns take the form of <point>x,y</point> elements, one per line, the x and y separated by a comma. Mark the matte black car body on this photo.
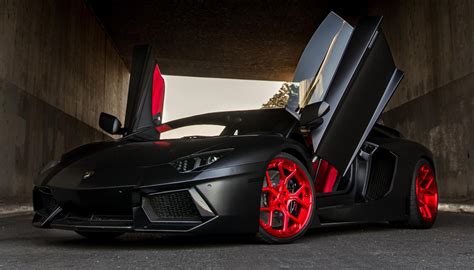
<point>133,184</point>
<point>127,171</point>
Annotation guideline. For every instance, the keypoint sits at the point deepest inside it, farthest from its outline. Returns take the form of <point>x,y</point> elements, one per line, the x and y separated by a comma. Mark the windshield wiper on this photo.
<point>196,137</point>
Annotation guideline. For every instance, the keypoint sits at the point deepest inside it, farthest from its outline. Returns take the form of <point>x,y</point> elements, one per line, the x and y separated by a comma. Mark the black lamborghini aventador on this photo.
<point>321,160</point>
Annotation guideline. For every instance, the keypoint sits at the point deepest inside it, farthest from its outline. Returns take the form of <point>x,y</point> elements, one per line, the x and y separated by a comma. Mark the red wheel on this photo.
<point>426,193</point>
<point>287,201</point>
<point>423,197</point>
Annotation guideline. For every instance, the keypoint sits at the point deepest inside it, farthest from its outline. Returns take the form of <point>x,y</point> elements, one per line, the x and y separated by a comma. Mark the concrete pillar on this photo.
<point>58,71</point>
<point>432,41</point>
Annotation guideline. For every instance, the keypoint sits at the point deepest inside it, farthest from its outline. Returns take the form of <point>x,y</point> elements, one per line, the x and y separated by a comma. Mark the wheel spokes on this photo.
<point>425,210</point>
<point>270,218</point>
<point>302,203</point>
<point>426,193</point>
<point>268,179</point>
<point>423,172</point>
<point>299,201</point>
<point>271,190</point>
<point>428,182</point>
<point>288,203</point>
<point>281,171</point>
<point>299,191</point>
<point>292,174</point>
<point>424,207</point>
<point>294,219</point>
<point>285,219</point>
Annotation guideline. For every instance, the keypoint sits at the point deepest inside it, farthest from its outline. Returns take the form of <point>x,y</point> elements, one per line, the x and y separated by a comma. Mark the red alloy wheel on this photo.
<point>427,193</point>
<point>287,199</point>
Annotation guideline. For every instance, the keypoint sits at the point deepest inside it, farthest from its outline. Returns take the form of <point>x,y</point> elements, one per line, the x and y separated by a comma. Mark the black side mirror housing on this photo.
<point>311,115</point>
<point>110,124</point>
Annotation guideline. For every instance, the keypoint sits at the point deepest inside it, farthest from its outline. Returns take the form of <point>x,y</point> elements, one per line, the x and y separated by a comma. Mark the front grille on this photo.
<point>88,202</point>
<point>173,206</point>
<point>381,174</point>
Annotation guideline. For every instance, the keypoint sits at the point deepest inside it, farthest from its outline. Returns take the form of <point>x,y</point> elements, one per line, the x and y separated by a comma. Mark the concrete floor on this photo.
<point>449,245</point>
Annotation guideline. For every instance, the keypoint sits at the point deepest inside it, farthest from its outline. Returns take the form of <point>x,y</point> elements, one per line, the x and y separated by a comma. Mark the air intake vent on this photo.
<point>381,174</point>
<point>172,206</point>
<point>43,201</point>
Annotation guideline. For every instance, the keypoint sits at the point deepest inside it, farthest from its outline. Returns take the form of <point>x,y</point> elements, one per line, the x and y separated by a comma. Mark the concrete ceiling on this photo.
<point>228,39</point>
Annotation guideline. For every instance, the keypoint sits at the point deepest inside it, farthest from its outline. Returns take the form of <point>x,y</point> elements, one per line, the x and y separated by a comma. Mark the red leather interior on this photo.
<point>326,178</point>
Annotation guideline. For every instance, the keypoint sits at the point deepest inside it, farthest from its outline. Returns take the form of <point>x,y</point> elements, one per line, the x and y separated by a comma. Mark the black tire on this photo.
<point>415,219</point>
<point>264,236</point>
<point>99,236</point>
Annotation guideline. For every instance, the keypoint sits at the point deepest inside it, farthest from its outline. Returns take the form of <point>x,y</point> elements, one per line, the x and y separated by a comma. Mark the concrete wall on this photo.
<point>433,42</point>
<point>58,71</point>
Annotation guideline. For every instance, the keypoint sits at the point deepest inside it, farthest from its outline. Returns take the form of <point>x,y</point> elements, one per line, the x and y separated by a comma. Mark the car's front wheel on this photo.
<point>99,236</point>
<point>287,200</point>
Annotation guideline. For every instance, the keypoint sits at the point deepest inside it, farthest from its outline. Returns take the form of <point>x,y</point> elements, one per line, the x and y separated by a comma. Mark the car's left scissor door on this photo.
<point>146,91</point>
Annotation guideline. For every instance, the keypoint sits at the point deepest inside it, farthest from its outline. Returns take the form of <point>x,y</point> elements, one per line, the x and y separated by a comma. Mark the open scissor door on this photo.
<point>146,91</point>
<point>352,70</point>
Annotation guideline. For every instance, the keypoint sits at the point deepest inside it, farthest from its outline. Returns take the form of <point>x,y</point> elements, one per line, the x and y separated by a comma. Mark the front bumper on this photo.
<point>225,203</point>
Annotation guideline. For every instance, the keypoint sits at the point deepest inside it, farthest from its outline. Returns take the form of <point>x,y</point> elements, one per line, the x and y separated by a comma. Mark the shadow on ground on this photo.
<point>158,241</point>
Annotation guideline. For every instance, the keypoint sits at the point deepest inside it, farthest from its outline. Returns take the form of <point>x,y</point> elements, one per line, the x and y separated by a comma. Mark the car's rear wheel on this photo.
<point>287,200</point>
<point>99,235</point>
<point>423,196</point>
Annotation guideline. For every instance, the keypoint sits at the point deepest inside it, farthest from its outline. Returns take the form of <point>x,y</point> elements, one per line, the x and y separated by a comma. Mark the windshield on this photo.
<point>204,107</point>
<point>233,123</point>
<point>191,96</point>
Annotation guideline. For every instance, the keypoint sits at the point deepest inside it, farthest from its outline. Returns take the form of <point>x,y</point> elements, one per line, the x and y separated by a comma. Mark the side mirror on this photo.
<point>311,115</point>
<point>110,124</point>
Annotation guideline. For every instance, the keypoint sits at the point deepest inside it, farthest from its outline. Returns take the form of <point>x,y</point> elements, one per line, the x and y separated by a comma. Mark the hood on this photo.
<point>144,154</point>
<point>124,163</point>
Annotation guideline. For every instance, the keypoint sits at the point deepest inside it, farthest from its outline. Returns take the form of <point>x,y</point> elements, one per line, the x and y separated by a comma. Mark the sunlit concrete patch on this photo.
<point>15,209</point>
<point>456,207</point>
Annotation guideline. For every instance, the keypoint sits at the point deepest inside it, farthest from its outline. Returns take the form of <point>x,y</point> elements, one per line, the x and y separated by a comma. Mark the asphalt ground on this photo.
<point>448,245</point>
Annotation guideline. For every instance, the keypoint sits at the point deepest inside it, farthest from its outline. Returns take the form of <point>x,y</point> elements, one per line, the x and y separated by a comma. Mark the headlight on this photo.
<point>198,161</point>
<point>49,165</point>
